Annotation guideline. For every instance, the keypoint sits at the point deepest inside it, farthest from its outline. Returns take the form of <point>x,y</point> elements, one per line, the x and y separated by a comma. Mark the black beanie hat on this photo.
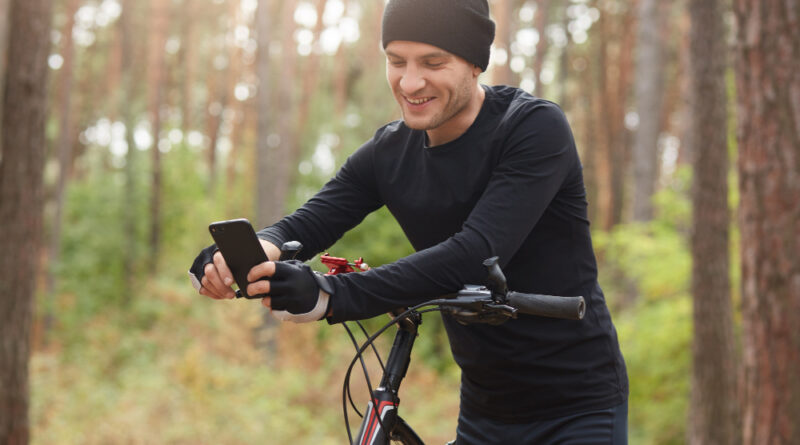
<point>461,27</point>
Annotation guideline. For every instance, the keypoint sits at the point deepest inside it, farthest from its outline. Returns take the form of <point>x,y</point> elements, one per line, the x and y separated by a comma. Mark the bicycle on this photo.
<point>492,304</point>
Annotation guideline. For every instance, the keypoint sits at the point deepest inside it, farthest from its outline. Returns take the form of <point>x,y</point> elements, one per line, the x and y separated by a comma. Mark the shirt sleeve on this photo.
<point>536,158</point>
<point>339,206</point>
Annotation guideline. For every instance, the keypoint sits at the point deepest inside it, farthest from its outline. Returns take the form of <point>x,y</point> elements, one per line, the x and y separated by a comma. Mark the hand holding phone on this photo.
<point>241,249</point>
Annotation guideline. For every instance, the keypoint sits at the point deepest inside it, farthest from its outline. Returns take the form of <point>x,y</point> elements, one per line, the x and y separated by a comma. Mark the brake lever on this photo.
<point>479,311</point>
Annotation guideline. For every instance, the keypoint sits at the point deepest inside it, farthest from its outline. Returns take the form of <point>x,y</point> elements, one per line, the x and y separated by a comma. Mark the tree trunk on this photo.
<point>279,145</point>
<point>649,84</point>
<point>187,64</point>
<point>768,114</point>
<point>311,72</point>
<point>264,124</point>
<point>128,113</point>
<point>66,138</point>
<point>4,10</point>
<point>614,69</point>
<point>503,11</point>
<point>21,201</point>
<point>542,20</point>
<point>714,414</point>
<point>156,66</point>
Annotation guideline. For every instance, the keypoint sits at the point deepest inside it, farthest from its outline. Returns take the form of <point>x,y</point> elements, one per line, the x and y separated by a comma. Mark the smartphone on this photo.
<point>239,245</point>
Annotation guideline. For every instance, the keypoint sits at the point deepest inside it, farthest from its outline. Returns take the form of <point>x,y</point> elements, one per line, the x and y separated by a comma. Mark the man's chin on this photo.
<point>416,124</point>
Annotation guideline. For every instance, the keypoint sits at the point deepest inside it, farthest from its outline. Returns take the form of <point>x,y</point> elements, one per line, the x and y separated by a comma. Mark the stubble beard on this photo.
<point>456,105</point>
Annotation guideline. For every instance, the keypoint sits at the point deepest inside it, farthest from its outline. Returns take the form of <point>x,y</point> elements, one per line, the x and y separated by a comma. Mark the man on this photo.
<point>470,172</point>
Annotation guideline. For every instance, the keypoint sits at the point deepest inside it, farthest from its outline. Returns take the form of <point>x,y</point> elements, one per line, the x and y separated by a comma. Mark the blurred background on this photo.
<point>165,115</point>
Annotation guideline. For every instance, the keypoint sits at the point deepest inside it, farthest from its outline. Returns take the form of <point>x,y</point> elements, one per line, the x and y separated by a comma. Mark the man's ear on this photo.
<point>476,71</point>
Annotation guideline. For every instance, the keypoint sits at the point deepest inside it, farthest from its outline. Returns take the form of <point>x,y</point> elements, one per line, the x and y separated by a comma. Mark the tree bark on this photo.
<point>187,64</point>
<point>4,9</point>
<point>128,113</point>
<point>649,85</point>
<point>714,411</point>
<point>279,145</point>
<point>503,11</point>
<point>159,16</point>
<point>768,135</point>
<point>311,72</point>
<point>263,110</point>
<point>21,201</point>
<point>613,79</point>
<point>541,21</point>
<point>66,138</point>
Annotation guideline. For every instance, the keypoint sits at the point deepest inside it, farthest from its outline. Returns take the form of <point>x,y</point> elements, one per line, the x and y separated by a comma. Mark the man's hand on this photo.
<point>213,274</point>
<point>296,292</point>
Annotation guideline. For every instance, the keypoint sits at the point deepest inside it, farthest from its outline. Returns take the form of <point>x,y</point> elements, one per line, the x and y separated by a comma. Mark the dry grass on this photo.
<point>180,369</point>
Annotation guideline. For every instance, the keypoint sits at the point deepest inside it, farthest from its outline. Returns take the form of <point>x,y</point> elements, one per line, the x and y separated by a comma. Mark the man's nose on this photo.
<point>412,80</point>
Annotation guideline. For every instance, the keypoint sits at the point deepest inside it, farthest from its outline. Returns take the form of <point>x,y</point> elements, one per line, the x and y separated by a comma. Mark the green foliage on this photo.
<point>645,272</point>
<point>656,342</point>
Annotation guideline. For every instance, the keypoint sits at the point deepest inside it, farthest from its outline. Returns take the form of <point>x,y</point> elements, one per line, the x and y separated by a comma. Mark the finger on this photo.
<point>259,287</point>
<point>213,283</point>
<point>261,270</point>
<point>267,302</point>
<point>207,290</point>
<point>223,269</point>
<point>211,280</point>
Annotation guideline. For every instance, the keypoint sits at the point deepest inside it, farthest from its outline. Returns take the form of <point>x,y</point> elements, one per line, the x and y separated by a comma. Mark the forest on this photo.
<point>129,126</point>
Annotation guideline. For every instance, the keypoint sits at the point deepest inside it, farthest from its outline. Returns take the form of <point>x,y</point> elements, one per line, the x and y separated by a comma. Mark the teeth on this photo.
<point>417,101</point>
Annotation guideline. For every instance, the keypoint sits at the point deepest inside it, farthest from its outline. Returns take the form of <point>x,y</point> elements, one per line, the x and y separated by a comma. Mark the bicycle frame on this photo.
<point>381,420</point>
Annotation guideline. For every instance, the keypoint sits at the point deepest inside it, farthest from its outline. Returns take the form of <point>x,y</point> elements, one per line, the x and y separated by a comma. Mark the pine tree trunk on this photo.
<point>128,114</point>
<point>714,415</point>
<point>503,11</point>
<point>542,19</point>
<point>159,21</point>
<point>768,114</point>
<point>66,138</point>
<point>21,200</point>
<point>649,86</point>
<point>4,9</point>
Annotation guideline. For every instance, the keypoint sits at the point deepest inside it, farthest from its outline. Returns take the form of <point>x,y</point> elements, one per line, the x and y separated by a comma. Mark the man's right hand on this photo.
<point>216,279</point>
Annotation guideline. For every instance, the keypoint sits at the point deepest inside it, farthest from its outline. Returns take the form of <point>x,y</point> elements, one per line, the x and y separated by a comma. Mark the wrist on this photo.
<point>318,312</point>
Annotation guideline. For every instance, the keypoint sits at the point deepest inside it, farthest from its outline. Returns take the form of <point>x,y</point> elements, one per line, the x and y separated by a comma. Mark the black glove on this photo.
<point>197,271</point>
<point>295,292</point>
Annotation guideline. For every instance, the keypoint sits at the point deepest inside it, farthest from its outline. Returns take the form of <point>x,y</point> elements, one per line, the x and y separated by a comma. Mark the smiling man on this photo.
<point>470,172</point>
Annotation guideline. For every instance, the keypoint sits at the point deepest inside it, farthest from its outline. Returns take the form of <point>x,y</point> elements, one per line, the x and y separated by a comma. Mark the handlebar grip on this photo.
<point>571,308</point>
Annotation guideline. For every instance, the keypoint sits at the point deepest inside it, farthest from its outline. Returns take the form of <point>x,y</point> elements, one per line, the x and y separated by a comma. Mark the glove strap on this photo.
<point>319,311</point>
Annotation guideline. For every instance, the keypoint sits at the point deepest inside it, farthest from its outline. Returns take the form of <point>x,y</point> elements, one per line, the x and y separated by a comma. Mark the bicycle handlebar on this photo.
<point>571,308</point>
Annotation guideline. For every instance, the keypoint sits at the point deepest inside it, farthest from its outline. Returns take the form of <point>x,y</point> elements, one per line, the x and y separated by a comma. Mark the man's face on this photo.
<point>434,88</point>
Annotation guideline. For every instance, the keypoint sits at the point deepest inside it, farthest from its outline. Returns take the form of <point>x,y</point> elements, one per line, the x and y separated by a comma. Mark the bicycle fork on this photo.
<point>381,419</point>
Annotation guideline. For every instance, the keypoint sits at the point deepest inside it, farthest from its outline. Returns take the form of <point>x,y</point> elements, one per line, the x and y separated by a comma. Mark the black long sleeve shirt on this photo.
<point>510,186</point>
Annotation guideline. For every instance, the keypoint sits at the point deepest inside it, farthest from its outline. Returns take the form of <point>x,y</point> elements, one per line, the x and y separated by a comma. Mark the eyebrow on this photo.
<point>431,55</point>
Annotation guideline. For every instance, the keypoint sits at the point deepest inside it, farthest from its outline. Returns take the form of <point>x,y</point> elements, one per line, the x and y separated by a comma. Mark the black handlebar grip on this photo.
<point>289,250</point>
<point>571,308</point>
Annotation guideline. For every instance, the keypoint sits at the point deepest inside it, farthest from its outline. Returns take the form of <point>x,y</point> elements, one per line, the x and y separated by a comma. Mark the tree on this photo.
<point>768,135</point>
<point>128,112</point>
<point>21,200</point>
<point>156,82</point>
<point>503,11</point>
<point>63,149</point>
<point>649,87</point>
<point>714,414</point>
<point>3,43</point>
